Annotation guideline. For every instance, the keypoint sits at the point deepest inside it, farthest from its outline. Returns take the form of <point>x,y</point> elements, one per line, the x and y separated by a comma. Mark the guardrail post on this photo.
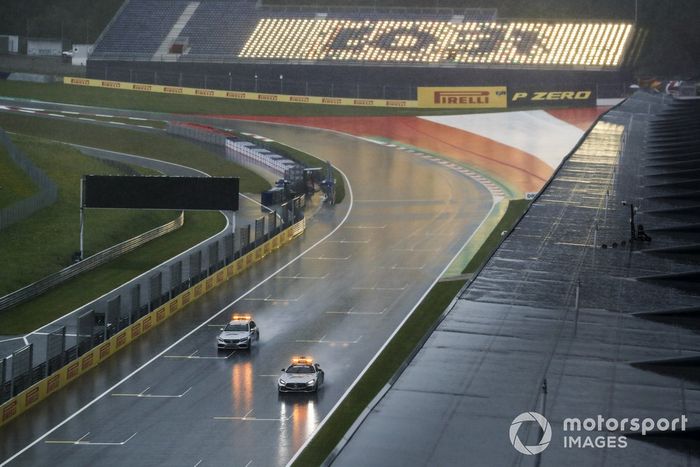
<point>82,215</point>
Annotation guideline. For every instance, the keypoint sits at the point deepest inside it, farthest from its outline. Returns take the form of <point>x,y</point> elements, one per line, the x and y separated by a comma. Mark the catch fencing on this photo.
<point>37,288</point>
<point>46,196</point>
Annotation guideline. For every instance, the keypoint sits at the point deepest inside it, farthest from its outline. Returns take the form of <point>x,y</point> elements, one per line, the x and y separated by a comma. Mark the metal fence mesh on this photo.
<point>48,192</point>
<point>86,331</point>
<point>22,368</point>
<point>55,347</point>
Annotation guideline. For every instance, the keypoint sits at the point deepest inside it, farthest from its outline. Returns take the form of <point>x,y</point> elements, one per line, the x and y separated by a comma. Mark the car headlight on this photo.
<point>283,382</point>
<point>311,383</point>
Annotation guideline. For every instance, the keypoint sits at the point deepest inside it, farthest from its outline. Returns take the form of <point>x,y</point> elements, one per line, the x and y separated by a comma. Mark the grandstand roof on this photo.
<point>612,331</point>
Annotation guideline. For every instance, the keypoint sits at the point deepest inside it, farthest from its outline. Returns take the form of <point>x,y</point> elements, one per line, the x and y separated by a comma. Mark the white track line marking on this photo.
<point>348,241</point>
<point>311,278</point>
<point>351,312</point>
<point>155,396</point>
<point>324,258</point>
<point>381,289</point>
<point>197,328</point>
<point>324,341</point>
<point>254,419</point>
<point>80,441</point>
<point>363,227</point>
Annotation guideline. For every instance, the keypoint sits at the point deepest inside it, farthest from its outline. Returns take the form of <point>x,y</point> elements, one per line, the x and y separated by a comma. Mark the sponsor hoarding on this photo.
<point>482,97</point>
<point>583,96</point>
<point>241,95</point>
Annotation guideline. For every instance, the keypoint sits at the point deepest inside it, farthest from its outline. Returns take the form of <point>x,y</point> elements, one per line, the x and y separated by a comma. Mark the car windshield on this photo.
<point>300,369</point>
<point>236,327</point>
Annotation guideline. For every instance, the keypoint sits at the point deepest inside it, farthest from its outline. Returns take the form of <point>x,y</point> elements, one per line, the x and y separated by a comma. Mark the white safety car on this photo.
<point>239,333</point>
<point>303,375</point>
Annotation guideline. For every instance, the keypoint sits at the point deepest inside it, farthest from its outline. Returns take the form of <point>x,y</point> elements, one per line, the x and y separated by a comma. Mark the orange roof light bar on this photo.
<point>302,360</point>
<point>239,316</point>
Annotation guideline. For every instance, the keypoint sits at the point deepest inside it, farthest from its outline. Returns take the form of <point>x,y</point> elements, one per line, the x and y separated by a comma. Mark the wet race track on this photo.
<point>336,294</point>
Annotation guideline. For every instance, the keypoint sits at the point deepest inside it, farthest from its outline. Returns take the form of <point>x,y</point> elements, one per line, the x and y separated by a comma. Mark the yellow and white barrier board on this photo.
<point>483,97</point>
<point>240,95</point>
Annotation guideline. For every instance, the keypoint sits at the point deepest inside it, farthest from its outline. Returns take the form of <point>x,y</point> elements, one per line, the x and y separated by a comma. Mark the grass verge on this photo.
<point>401,346</point>
<point>516,208</point>
<point>15,185</point>
<point>162,147</point>
<point>137,100</point>
<point>44,242</point>
<point>76,292</point>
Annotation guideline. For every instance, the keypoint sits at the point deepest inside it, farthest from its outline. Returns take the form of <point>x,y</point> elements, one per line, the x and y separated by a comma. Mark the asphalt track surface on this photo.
<point>336,294</point>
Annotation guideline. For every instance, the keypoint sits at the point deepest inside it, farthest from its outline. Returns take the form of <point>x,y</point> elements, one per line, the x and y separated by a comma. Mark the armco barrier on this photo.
<point>72,371</point>
<point>98,259</point>
<point>239,95</point>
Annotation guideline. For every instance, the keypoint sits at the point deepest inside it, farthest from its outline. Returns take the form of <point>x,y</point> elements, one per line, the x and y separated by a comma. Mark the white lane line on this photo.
<point>57,115</point>
<point>192,356</point>
<point>194,330</point>
<point>249,462</point>
<point>367,313</point>
<point>4,107</point>
<point>47,333</point>
<point>13,339</point>
<point>348,241</point>
<point>32,109</point>
<point>153,396</point>
<point>87,119</point>
<point>138,118</point>
<point>363,227</point>
<point>402,268</point>
<point>104,116</point>
<point>254,419</point>
<point>80,442</point>
<point>269,298</point>
<point>311,278</point>
<point>401,201</point>
<point>116,123</point>
<point>145,126</point>
<point>327,258</point>
<point>381,289</point>
<point>69,112</point>
<point>197,464</point>
<point>324,341</point>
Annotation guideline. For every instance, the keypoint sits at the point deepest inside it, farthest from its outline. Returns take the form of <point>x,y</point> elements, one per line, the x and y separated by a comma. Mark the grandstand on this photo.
<point>349,52</point>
